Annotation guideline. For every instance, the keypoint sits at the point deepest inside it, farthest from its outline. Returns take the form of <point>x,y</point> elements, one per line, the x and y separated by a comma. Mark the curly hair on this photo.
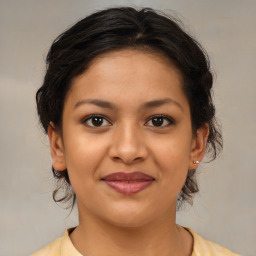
<point>118,28</point>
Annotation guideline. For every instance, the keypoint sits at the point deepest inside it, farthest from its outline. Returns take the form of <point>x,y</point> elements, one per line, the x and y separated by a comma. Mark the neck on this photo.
<point>94,237</point>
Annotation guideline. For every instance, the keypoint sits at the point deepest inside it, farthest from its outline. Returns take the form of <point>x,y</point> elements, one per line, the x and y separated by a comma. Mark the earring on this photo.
<point>196,162</point>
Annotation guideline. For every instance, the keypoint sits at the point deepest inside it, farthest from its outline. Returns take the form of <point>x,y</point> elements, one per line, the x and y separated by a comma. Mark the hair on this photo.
<point>120,28</point>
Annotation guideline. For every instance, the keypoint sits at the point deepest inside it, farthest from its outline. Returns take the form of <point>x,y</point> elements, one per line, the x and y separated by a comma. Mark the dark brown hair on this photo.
<point>120,28</point>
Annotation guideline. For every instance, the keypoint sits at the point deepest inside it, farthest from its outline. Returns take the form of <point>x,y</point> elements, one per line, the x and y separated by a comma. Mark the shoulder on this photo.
<point>203,247</point>
<point>53,249</point>
<point>60,247</point>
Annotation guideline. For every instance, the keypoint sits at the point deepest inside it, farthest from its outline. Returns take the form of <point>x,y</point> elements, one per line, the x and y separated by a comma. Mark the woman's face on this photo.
<point>127,140</point>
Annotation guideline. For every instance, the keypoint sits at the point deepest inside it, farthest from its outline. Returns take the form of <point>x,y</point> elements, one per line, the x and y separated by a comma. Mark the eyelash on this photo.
<point>86,119</point>
<point>169,119</point>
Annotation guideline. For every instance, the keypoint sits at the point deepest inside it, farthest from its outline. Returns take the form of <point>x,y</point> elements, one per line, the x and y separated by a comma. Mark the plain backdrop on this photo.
<point>224,211</point>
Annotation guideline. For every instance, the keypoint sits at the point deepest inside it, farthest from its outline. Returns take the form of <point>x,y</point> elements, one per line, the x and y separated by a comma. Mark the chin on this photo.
<point>129,223</point>
<point>129,217</point>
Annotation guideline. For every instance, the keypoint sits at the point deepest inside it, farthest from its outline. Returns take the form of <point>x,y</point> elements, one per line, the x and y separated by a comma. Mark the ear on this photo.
<point>199,146</point>
<point>57,150</point>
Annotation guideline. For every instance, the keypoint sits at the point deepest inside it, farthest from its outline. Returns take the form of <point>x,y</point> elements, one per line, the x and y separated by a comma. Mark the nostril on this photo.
<point>127,149</point>
<point>127,160</point>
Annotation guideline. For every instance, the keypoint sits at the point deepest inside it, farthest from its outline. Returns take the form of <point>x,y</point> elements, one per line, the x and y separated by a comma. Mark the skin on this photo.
<point>111,223</point>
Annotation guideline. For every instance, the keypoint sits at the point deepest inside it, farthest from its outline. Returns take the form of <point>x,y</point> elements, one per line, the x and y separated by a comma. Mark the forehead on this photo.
<point>127,56</point>
<point>129,52</point>
<point>125,74</point>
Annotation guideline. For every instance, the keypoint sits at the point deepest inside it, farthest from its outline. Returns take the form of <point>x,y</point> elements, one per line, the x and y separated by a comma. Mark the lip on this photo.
<point>128,183</point>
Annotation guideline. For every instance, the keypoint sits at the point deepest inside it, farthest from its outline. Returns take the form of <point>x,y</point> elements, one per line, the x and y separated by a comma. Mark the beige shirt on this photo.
<point>64,247</point>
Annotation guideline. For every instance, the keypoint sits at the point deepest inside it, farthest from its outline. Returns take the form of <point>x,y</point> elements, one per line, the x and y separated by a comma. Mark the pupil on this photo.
<point>157,121</point>
<point>97,121</point>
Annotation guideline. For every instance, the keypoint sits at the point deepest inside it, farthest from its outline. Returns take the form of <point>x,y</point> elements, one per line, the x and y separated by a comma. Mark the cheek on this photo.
<point>83,150</point>
<point>172,156</point>
<point>83,156</point>
<point>173,151</point>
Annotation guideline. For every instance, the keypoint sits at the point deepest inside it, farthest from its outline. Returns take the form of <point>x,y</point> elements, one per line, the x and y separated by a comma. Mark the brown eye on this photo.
<point>157,121</point>
<point>96,121</point>
<point>160,121</point>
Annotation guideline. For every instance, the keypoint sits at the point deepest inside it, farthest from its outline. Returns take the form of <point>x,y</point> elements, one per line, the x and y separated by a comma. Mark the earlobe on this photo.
<point>199,146</point>
<point>57,150</point>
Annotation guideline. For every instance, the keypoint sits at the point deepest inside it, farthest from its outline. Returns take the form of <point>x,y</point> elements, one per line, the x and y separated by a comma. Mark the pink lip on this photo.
<point>128,183</point>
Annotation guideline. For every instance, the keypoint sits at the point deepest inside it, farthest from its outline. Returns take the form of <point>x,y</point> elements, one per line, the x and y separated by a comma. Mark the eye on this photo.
<point>160,121</point>
<point>96,121</point>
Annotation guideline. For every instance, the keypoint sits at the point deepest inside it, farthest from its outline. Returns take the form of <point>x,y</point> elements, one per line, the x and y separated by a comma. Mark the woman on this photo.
<point>126,102</point>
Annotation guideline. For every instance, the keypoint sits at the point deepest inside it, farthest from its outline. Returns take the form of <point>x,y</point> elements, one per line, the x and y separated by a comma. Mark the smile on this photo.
<point>128,183</point>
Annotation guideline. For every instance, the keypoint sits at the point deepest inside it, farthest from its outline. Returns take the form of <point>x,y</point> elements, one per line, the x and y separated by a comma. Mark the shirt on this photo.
<point>64,247</point>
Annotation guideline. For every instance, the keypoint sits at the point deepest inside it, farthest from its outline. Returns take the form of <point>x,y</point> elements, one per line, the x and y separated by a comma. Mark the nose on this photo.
<point>128,145</point>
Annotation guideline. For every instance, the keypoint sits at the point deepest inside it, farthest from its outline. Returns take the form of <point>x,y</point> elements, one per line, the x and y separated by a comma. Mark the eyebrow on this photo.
<point>159,102</point>
<point>146,105</point>
<point>99,103</point>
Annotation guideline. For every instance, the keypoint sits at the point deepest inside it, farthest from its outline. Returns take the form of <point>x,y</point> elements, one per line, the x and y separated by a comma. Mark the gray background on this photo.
<point>224,211</point>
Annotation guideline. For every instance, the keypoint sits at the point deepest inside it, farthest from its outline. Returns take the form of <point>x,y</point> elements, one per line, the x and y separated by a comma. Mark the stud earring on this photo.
<point>196,162</point>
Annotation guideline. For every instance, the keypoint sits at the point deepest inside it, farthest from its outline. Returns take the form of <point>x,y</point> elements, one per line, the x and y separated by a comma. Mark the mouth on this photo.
<point>128,183</point>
